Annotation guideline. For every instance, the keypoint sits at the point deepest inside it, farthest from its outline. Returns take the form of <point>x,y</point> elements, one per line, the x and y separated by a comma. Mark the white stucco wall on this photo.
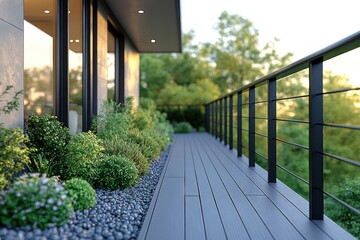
<point>12,55</point>
<point>132,72</point>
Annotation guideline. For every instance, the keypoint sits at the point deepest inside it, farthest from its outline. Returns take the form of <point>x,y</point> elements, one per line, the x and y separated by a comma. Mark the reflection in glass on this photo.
<point>75,66</point>
<point>111,67</point>
<point>39,39</point>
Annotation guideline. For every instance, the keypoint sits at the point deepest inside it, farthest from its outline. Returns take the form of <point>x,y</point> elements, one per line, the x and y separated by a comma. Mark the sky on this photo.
<point>302,26</point>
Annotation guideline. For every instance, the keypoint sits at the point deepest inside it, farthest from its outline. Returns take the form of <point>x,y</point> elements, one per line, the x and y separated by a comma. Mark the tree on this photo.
<point>158,71</point>
<point>236,56</point>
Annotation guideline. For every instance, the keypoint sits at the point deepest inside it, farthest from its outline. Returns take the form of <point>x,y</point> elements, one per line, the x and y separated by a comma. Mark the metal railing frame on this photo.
<point>314,63</point>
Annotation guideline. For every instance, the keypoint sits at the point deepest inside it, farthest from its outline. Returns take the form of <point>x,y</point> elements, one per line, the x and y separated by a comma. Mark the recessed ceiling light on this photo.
<point>153,40</point>
<point>71,40</point>
<point>141,11</point>
<point>46,11</point>
<point>77,40</point>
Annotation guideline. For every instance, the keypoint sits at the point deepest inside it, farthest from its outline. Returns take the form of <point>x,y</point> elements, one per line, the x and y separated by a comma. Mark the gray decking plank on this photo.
<point>176,165</point>
<point>279,193</point>
<point>244,182</point>
<point>191,187</point>
<point>278,225</point>
<point>150,211</point>
<point>253,223</point>
<point>168,218</point>
<point>232,222</point>
<point>212,222</point>
<point>194,227</point>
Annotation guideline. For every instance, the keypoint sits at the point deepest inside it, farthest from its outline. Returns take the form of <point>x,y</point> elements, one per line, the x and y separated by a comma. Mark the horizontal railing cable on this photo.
<point>341,126</point>
<point>291,120</point>
<point>293,144</point>
<point>342,159</point>
<point>341,90</point>
<point>261,135</point>
<point>293,174</point>
<point>294,97</point>
<point>355,210</point>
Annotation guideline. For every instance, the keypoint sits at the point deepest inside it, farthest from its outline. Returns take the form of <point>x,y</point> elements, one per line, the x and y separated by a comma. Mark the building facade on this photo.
<point>69,56</point>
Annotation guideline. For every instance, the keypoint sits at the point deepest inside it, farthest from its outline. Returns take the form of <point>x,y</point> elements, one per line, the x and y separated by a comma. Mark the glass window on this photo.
<point>39,53</point>
<point>111,66</point>
<point>75,65</point>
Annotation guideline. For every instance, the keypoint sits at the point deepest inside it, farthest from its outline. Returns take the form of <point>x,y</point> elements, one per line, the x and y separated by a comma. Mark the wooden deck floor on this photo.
<point>206,192</point>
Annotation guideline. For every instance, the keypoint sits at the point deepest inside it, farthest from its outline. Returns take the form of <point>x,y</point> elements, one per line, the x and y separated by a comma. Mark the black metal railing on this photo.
<point>233,119</point>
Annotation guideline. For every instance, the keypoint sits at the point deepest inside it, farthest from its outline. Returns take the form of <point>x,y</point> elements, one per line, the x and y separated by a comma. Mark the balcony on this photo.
<point>207,192</point>
<point>220,189</point>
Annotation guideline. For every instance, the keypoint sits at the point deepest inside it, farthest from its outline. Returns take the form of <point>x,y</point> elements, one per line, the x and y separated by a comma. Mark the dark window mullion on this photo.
<point>62,63</point>
<point>87,67</point>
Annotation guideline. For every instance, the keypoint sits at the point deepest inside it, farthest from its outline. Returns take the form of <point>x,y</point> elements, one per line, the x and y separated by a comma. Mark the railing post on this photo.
<point>231,137</point>
<point>272,130</point>
<point>239,124</point>
<point>216,119</point>
<point>252,127</point>
<point>207,118</point>
<point>213,118</point>
<point>221,119</point>
<point>316,178</point>
<point>225,120</point>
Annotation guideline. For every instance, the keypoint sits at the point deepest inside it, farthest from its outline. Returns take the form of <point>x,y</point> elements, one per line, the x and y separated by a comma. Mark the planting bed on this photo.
<point>116,215</point>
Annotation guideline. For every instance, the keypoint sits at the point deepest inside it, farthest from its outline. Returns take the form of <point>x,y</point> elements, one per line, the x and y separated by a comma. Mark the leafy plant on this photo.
<point>116,172</point>
<point>350,193</point>
<point>112,120</point>
<point>35,200</point>
<point>39,164</point>
<point>183,127</point>
<point>81,193</point>
<point>83,152</point>
<point>142,120</point>
<point>128,149</point>
<point>12,104</point>
<point>14,153</point>
<point>49,137</point>
<point>148,145</point>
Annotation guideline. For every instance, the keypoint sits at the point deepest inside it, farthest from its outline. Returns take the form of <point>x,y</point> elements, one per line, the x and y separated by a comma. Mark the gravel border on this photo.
<point>116,215</point>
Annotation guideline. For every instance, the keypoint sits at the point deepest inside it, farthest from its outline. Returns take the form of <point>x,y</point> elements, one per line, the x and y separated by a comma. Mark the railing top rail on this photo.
<point>346,44</point>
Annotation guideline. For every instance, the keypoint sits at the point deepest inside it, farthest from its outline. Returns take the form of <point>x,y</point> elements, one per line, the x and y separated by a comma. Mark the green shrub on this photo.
<point>130,150</point>
<point>35,200</point>
<point>49,137</point>
<point>81,193</point>
<point>112,120</point>
<point>201,129</point>
<point>83,154</point>
<point>14,154</point>
<point>350,193</point>
<point>195,115</point>
<point>183,127</point>
<point>142,120</point>
<point>150,148</point>
<point>116,172</point>
<point>165,129</point>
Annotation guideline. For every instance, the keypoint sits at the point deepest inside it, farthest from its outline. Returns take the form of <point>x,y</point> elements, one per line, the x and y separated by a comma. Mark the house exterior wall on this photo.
<point>102,69</point>
<point>12,59</point>
<point>12,56</point>
<point>132,72</point>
